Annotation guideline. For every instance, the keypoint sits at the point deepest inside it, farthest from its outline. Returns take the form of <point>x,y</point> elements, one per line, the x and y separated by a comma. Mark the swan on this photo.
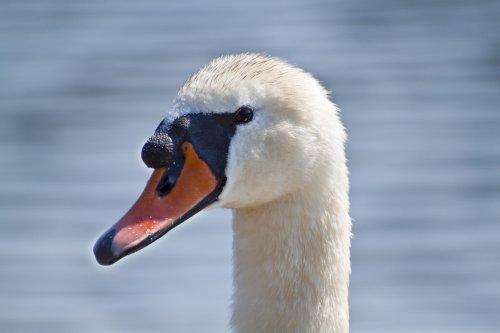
<point>254,134</point>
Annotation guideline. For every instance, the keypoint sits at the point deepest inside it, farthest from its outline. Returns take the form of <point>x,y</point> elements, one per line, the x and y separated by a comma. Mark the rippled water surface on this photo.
<point>84,83</point>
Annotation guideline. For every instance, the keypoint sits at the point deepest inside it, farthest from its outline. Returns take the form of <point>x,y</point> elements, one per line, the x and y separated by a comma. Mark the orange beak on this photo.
<point>154,215</point>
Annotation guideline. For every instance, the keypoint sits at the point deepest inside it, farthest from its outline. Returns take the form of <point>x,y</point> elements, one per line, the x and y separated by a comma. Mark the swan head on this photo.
<point>243,131</point>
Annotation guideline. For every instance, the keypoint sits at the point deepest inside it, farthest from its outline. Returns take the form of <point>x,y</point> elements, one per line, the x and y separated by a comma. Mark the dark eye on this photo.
<point>243,115</point>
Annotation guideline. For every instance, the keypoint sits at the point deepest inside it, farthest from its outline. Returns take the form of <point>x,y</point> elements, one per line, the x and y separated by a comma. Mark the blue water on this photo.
<point>84,83</point>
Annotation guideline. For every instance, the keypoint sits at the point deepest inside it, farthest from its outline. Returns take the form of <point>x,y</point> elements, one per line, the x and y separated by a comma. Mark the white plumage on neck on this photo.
<point>291,262</point>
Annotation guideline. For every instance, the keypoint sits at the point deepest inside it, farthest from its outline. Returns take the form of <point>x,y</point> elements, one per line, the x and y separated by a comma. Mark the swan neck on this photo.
<point>291,262</point>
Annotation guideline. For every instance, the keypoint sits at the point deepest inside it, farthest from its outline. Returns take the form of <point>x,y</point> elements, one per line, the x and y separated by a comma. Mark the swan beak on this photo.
<point>190,188</point>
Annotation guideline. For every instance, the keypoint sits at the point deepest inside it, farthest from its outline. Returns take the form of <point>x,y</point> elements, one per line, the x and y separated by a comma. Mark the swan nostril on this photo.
<point>157,151</point>
<point>169,179</point>
<point>166,185</point>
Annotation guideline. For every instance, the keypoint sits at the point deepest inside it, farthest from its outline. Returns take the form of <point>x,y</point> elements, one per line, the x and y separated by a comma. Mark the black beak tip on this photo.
<point>103,249</point>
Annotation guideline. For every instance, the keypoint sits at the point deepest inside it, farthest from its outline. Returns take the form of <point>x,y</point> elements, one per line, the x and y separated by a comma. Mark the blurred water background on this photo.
<point>84,83</point>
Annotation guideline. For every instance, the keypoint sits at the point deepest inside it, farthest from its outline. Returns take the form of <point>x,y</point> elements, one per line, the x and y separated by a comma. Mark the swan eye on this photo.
<point>243,115</point>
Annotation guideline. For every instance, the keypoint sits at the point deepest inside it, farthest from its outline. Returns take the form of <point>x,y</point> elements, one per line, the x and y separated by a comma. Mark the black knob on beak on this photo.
<point>158,150</point>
